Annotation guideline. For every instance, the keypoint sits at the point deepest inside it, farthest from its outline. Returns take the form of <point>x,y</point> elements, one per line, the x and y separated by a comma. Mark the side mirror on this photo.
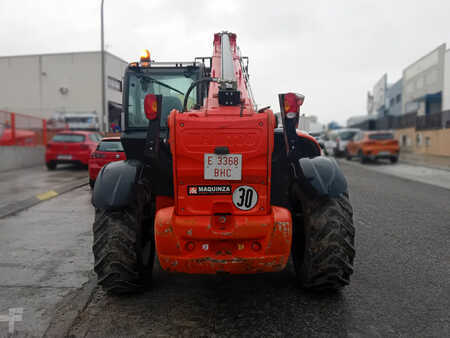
<point>152,106</point>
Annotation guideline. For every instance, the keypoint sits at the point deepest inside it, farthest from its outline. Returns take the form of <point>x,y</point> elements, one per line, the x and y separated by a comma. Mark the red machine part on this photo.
<point>199,134</point>
<point>208,233</point>
<point>204,245</point>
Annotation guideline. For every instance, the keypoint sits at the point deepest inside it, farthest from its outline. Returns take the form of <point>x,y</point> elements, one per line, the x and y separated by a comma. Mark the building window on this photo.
<point>418,140</point>
<point>398,98</point>
<point>427,141</point>
<point>405,140</point>
<point>115,84</point>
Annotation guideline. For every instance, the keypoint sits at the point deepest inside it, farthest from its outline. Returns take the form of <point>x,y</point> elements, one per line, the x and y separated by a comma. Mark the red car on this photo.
<point>71,147</point>
<point>108,150</point>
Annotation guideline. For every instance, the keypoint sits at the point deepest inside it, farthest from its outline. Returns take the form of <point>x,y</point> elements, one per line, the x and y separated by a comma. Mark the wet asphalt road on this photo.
<point>20,184</point>
<point>45,255</point>
<point>401,284</point>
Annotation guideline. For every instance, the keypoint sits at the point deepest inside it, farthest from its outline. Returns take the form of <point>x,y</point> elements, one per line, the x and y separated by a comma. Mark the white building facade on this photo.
<point>446,94</point>
<point>423,83</point>
<point>48,84</point>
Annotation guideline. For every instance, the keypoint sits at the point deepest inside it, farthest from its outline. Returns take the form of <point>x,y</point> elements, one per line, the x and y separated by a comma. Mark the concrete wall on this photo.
<point>394,99</point>
<point>41,85</point>
<point>115,68</point>
<point>425,76</point>
<point>21,157</point>
<point>379,96</point>
<point>433,142</point>
<point>446,91</point>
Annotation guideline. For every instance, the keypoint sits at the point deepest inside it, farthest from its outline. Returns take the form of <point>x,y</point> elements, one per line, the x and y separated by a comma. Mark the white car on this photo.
<point>336,141</point>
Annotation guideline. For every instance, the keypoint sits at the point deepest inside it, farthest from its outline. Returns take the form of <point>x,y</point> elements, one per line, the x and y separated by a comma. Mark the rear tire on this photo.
<point>51,165</point>
<point>117,262</point>
<point>348,156</point>
<point>323,244</point>
<point>394,159</point>
<point>91,183</point>
<point>362,158</point>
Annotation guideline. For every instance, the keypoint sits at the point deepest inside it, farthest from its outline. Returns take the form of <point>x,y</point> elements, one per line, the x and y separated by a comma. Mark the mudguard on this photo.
<point>323,175</point>
<point>114,185</point>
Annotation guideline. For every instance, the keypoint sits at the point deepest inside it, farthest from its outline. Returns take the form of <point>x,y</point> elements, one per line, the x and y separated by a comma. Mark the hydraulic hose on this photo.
<point>192,86</point>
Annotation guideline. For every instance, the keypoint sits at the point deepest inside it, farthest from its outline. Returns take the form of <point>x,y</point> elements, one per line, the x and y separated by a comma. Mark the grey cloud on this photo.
<point>332,51</point>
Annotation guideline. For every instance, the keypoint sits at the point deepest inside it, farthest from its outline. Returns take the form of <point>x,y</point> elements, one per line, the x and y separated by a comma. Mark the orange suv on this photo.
<point>372,145</point>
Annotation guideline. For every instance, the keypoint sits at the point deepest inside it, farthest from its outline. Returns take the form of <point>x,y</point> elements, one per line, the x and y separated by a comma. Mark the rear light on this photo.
<point>292,103</point>
<point>151,106</point>
<point>49,145</point>
<point>97,155</point>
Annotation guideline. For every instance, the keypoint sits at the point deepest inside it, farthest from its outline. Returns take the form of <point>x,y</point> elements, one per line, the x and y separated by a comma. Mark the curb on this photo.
<point>70,307</point>
<point>405,178</point>
<point>17,206</point>
<point>424,165</point>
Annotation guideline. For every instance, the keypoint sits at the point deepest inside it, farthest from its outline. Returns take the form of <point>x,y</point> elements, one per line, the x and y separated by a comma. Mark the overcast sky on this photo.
<point>330,51</point>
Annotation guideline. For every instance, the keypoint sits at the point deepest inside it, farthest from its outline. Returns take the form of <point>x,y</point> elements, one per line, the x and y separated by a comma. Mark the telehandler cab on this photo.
<point>212,185</point>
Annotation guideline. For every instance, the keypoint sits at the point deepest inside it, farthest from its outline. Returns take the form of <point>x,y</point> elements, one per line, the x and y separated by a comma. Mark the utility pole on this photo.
<point>104,117</point>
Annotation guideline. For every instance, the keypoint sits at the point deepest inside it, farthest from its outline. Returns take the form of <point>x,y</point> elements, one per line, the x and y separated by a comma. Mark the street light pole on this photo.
<point>104,117</point>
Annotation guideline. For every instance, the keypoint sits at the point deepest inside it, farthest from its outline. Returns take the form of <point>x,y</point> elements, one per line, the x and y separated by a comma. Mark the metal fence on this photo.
<point>424,122</point>
<point>432,121</point>
<point>22,130</point>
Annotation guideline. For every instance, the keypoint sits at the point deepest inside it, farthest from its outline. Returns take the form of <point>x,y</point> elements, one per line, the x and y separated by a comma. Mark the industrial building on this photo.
<point>385,99</point>
<point>424,83</point>
<point>50,84</point>
<point>393,102</point>
<point>424,88</point>
<point>416,107</point>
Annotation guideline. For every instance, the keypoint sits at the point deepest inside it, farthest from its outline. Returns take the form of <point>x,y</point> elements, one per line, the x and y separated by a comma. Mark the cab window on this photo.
<point>172,87</point>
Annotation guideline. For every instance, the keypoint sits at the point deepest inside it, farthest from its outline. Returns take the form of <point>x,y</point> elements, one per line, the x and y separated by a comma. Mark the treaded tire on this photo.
<point>362,158</point>
<point>348,156</point>
<point>323,252</point>
<point>394,159</point>
<point>51,165</point>
<point>116,261</point>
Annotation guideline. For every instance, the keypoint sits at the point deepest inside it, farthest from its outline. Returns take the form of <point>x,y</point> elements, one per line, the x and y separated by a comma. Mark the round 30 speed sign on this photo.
<point>245,197</point>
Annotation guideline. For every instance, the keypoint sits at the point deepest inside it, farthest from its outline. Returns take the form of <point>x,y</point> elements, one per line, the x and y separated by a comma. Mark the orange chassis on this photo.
<point>197,244</point>
<point>210,233</point>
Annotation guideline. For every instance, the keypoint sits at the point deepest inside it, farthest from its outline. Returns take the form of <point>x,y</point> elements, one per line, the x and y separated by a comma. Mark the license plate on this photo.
<point>64,157</point>
<point>223,167</point>
<point>384,153</point>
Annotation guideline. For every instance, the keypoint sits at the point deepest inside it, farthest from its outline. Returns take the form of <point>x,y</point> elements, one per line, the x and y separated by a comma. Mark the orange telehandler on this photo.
<point>211,184</point>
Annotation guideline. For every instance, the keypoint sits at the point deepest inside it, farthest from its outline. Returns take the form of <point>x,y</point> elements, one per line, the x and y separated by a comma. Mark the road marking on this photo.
<point>47,195</point>
<point>15,315</point>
